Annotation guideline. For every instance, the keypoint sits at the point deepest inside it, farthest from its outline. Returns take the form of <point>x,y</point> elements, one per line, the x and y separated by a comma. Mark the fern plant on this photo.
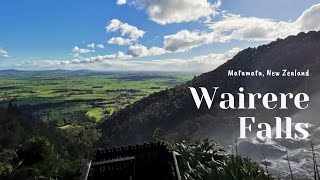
<point>206,160</point>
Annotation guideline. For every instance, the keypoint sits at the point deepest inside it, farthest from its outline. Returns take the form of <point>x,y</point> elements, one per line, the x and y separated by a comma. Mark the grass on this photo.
<point>94,94</point>
<point>98,113</point>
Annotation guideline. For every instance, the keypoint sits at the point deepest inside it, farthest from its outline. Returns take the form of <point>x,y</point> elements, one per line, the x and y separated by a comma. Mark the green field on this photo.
<point>49,96</point>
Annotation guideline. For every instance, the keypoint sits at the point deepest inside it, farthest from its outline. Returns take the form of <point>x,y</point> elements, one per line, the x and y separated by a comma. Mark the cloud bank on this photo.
<point>120,62</point>
<point>236,27</point>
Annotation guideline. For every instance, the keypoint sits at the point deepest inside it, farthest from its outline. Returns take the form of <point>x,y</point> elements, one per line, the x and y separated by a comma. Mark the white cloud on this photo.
<point>236,27</point>
<point>43,64</point>
<point>121,2</point>
<point>217,4</point>
<point>120,61</point>
<point>216,59</point>
<point>78,50</point>
<point>120,41</point>
<point>155,51</point>
<point>252,28</point>
<point>198,64</point>
<point>185,40</point>
<point>4,53</point>
<point>138,50</point>
<point>176,11</point>
<point>48,65</point>
<point>126,29</point>
<point>310,19</point>
<point>76,55</point>
<point>118,56</point>
<point>101,46</point>
<point>92,45</point>
<point>76,63</point>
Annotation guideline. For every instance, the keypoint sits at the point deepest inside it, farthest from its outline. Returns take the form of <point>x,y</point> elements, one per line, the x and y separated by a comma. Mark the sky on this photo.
<point>143,35</point>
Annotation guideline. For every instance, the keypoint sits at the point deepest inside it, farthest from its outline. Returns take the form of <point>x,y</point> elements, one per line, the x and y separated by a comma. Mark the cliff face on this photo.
<point>174,110</point>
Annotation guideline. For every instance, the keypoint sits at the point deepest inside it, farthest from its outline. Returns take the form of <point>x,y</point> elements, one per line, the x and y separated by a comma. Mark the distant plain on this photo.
<point>50,94</point>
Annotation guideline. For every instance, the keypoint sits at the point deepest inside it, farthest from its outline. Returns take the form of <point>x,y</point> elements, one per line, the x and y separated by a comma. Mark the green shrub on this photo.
<point>206,160</point>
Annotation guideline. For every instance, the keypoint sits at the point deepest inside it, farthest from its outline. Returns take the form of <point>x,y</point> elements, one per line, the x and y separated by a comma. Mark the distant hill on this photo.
<point>174,111</point>
<point>13,72</point>
<point>85,72</point>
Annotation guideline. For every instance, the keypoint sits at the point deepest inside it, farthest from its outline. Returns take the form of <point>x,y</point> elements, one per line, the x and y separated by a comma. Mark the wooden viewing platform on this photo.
<point>152,161</point>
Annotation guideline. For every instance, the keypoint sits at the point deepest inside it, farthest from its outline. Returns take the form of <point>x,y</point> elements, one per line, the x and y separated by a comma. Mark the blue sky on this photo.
<point>172,34</point>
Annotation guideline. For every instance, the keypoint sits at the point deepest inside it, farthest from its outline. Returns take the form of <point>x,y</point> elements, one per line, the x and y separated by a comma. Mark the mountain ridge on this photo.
<point>174,111</point>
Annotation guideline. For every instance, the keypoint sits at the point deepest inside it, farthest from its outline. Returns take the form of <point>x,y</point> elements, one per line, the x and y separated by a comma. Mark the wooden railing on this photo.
<point>151,161</point>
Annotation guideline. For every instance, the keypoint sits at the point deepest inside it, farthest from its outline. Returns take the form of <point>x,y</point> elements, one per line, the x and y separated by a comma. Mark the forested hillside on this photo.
<point>174,113</point>
<point>31,149</point>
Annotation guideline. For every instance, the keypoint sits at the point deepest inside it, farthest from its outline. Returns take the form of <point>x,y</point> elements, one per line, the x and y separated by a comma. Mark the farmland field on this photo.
<point>51,94</point>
